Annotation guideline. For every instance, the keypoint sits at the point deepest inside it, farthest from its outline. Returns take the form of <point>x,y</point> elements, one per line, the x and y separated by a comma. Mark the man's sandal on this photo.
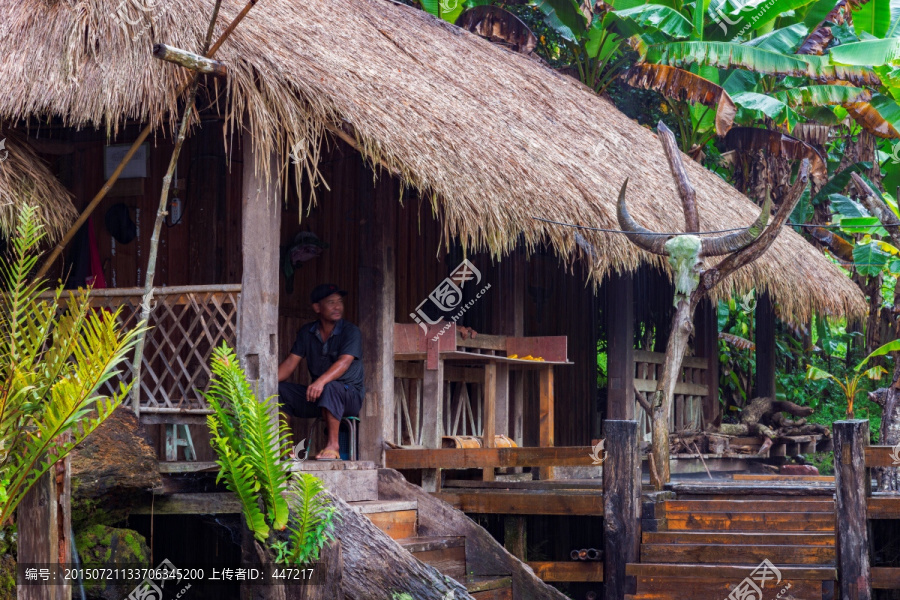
<point>328,455</point>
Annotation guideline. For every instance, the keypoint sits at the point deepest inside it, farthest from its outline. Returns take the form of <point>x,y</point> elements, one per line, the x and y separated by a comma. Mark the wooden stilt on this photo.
<point>621,506</point>
<point>852,486</point>
<point>547,430</point>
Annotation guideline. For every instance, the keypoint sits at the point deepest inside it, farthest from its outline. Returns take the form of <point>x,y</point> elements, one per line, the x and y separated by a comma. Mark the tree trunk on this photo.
<point>682,327</point>
<point>889,400</point>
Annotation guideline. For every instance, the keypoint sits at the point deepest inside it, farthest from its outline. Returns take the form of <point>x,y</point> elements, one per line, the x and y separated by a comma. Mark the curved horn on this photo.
<point>639,236</point>
<point>726,244</point>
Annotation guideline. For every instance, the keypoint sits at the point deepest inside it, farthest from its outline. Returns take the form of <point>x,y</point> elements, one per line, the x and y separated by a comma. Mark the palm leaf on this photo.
<point>880,351</point>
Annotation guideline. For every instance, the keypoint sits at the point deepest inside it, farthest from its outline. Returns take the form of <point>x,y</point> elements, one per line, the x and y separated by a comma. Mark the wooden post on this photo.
<point>546,433</point>
<point>432,406</point>
<point>620,346</point>
<point>621,506</point>
<point>490,414</point>
<point>852,488</point>
<point>514,536</point>
<point>765,346</point>
<point>376,312</point>
<point>257,339</point>
<point>44,520</point>
<point>706,326</point>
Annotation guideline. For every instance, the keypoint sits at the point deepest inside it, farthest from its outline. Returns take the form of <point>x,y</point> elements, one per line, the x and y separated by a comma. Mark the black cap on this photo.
<point>322,291</point>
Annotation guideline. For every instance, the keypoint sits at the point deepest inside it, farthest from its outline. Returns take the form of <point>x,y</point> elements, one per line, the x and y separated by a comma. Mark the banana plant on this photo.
<point>53,365</point>
<point>850,385</point>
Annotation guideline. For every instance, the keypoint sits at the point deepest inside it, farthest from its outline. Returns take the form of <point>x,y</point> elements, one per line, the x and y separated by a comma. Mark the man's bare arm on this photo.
<point>339,367</point>
<point>289,365</point>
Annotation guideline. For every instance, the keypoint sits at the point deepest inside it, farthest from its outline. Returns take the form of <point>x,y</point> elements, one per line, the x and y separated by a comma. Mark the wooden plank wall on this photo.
<point>206,248</point>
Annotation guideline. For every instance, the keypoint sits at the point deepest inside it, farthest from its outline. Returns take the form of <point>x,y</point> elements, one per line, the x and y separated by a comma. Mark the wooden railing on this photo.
<point>187,323</point>
<point>690,391</point>
<point>856,505</point>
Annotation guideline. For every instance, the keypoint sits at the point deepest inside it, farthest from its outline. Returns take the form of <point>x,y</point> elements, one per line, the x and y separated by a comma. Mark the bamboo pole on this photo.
<point>142,137</point>
<point>161,213</point>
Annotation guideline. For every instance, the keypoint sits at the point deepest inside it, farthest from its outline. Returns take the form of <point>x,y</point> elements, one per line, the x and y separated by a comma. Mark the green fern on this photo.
<point>315,519</point>
<point>52,364</point>
<point>250,447</point>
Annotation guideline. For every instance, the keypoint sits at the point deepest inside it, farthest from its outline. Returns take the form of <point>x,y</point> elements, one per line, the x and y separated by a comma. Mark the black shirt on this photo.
<point>345,339</point>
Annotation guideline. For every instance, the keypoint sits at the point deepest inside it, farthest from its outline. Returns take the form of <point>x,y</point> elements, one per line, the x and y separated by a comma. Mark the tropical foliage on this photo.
<point>253,453</point>
<point>56,354</point>
<point>849,384</point>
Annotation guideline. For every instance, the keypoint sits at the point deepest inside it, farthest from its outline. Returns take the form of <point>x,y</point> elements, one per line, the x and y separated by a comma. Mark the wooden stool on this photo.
<point>352,426</point>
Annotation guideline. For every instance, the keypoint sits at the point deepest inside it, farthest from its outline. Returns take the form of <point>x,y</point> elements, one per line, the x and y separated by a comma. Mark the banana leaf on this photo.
<point>662,18</point>
<point>880,351</point>
<point>784,40</point>
<point>839,247</point>
<point>818,95</point>
<point>725,55</point>
<point>869,258</point>
<point>869,53</point>
<point>880,116</point>
<point>564,17</point>
<point>760,105</point>
<point>873,17</point>
<point>846,207</point>
<point>684,85</point>
<point>750,16</point>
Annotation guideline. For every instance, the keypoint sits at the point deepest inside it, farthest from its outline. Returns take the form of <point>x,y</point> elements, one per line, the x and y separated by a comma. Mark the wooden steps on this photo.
<point>399,520</point>
<point>710,545</point>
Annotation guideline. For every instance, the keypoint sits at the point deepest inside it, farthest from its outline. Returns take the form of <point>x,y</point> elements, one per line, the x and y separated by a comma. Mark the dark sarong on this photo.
<point>337,398</point>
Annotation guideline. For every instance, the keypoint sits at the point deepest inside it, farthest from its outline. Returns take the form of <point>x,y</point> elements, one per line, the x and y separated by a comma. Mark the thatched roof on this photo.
<point>492,137</point>
<point>25,179</point>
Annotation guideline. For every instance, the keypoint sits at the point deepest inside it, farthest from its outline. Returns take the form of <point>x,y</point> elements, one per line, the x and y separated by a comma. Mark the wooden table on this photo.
<point>432,354</point>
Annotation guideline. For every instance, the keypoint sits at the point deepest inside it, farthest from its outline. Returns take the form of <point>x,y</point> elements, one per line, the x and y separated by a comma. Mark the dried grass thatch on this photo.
<point>492,137</point>
<point>25,179</point>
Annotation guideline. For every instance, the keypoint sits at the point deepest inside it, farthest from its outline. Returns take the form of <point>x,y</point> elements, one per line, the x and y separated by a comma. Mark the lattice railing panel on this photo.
<point>187,323</point>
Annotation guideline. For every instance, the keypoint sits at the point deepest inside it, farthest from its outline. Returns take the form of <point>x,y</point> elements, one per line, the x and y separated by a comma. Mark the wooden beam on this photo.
<point>377,299</point>
<point>217,503</point>
<point>620,346</point>
<point>38,542</point>
<point>571,571</point>
<point>765,346</point>
<point>852,487</point>
<point>546,433</point>
<point>257,338</point>
<point>520,502</point>
<point>622,506</point>
<point>880,456</point>
<point>479,458</point>
<point>885,578</point>
<point>189,60</point>
<point>883,507</point>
